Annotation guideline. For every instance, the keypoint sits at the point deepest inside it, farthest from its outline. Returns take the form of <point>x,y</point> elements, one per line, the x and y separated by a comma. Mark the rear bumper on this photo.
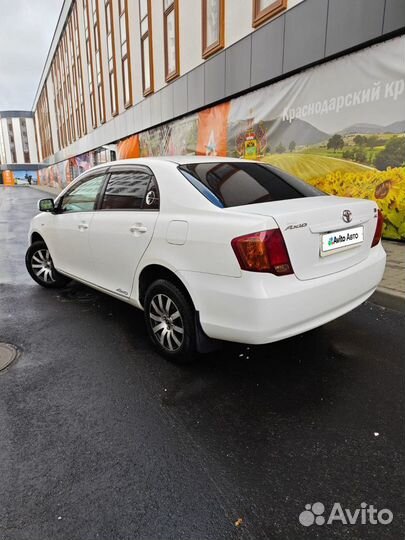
<point>261,308</point>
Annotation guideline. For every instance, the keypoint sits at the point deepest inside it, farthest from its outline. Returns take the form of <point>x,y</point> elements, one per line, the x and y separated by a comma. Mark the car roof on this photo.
<point>178,160</point>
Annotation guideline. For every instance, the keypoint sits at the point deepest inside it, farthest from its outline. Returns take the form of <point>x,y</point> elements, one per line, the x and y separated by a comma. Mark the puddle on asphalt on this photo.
<point>78,295</point>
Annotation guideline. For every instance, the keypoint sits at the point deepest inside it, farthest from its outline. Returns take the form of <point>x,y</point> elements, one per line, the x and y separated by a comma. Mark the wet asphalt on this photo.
<point>100,438</point>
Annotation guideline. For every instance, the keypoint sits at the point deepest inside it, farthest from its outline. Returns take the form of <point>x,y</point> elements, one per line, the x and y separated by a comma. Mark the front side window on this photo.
<point>264,10</point>
<point>83,197</point>
<point>132,190</point>
<point>212,26</point>
<point>228,184</point>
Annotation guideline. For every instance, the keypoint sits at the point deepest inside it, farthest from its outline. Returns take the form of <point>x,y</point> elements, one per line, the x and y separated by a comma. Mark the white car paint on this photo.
<point>192,237</point>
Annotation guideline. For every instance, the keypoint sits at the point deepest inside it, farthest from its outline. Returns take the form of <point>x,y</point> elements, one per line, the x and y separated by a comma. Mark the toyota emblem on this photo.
<point>347,216</point>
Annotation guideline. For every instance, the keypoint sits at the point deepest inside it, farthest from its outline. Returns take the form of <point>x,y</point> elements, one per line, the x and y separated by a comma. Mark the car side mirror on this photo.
<point>46,205</point>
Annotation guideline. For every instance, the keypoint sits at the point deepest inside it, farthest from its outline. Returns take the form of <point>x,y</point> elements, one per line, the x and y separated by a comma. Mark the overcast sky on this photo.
<point>26,31</point>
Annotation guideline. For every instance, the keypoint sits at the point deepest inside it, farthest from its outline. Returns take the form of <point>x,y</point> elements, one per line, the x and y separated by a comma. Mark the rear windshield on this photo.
<point>228,184</point>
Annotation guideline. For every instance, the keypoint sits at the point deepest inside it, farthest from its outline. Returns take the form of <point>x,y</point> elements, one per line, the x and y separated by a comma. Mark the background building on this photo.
<point>316,87</point>
<point>18,148</point>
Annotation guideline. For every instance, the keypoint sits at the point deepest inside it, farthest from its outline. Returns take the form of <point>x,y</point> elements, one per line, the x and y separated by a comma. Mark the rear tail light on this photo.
<point>378,229</point>
<point>263,251</point>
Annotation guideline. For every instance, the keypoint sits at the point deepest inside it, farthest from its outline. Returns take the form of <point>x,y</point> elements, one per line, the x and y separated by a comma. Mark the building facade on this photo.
<point>278,80</point>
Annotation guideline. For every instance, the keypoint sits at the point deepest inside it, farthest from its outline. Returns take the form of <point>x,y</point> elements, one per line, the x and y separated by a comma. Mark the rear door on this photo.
<point>123,226</point>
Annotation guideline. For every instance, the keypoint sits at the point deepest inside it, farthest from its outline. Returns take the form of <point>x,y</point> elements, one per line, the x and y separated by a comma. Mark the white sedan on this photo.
<point>212,249</point>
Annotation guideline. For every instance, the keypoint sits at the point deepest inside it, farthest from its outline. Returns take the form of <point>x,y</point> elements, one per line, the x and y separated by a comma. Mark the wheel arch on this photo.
<point>36,237</point>
<point>153,272</point>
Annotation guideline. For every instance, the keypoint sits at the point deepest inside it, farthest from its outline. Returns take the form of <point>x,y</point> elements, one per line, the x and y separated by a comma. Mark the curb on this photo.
<point>389,299</point>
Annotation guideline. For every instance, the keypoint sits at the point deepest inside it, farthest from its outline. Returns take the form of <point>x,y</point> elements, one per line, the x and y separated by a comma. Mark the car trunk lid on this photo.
<point>323,234</point>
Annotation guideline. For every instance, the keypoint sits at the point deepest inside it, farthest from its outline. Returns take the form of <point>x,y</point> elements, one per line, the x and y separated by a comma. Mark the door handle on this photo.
<point>138,228</point>
<point>82,226</point>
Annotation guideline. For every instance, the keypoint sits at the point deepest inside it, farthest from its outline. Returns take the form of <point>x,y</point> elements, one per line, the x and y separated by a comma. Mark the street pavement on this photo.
<point>100,438</point>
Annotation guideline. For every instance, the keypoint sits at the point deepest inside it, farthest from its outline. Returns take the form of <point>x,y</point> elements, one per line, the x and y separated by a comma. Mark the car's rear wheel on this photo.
<point>170,321</point>
<point>40,267</point>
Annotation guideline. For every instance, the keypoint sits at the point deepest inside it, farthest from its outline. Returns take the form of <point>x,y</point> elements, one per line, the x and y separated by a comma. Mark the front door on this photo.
<point>69,238</point>
<point>123,226</point>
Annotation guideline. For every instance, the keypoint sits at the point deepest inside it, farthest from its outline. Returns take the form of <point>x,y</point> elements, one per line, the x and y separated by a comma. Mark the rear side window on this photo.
<point>238,184</point>
<point>131,190</point>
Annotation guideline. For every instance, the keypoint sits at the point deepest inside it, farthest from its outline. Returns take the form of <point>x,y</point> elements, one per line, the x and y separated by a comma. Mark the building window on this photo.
<point>112,70</point>
<point>68,89</point>
<point>125,53</point>
<point>2,147</point>
<point>171,37</point>
<point>43,123</point>
<point>10,131</point>
<point>24,140</point>
<point>79,72</point>
<point>99,65</point>
<point>146,46</point>
<point>74,87</point>
<point>266,9</point>
<point>213,17</point>
<point>89,63</point>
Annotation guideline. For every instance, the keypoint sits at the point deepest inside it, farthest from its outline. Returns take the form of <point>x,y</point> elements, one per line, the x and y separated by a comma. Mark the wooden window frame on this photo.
<point>73,68</point>
<point>174,7</point>
<point>112,72</point>
<point>209,50</point>
<point>262,15</point>
<point>55,105</point>
<point>98,51</point>
<point>144,36</point>
<point>69,86</point>
<point>123,12</point>
<point>89,61</point>
<point>79,70</point>
<point>47,124</point>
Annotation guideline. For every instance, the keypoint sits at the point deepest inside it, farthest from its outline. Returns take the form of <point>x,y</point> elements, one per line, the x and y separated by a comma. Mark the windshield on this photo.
<point>232,183</point>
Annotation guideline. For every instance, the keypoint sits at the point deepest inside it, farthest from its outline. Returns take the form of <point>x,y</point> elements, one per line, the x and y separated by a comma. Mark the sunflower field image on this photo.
<point>378,174</point>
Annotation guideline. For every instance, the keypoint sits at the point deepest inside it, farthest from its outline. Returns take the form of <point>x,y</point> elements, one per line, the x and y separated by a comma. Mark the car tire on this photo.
<point>170,321</point>
<point>40,267</point>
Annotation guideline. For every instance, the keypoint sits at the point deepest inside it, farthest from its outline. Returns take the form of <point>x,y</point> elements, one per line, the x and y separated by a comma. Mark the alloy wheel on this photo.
<point>42,266</point>
<point>166,322</point>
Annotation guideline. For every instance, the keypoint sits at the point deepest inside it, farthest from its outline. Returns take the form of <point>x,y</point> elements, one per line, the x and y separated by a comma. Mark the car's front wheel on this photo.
<point>40,267</point>
<point>170,321</point>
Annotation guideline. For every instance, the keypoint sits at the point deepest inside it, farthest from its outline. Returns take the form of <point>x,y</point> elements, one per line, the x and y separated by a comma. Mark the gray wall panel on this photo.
<point>146,115</point>
<point>180,96</point>
<point>305,28</point>
<point>155,108</point>
<point>214,78</point>
<point>137,118</point>
<point>237,71</point>
<point>267,52</point>
<point>167,102</point>
<point>394,17</point>
<point>195,90</point>
<point>351,22</point>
